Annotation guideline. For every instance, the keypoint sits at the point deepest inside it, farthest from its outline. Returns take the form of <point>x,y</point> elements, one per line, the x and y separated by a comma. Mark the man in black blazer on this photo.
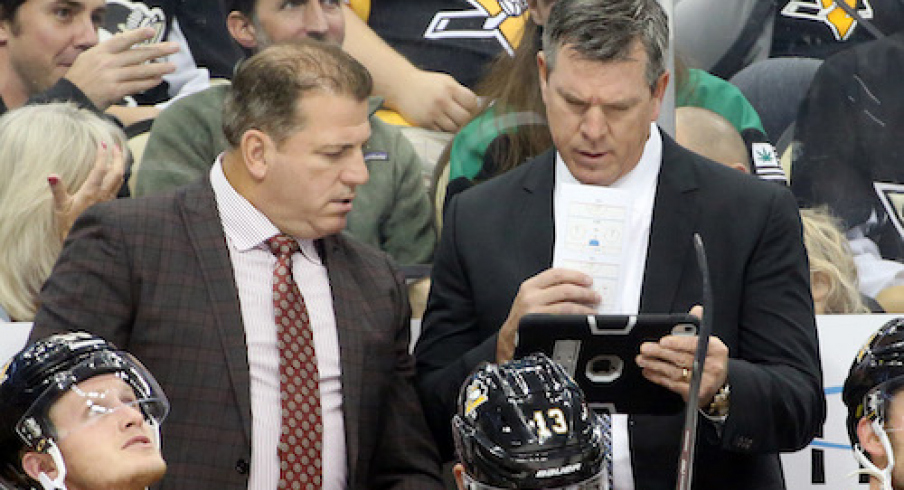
<point>602,78</point>
<point>185,281</point>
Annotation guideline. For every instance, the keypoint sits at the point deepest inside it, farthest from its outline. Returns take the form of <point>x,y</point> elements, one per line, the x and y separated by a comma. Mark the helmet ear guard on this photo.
<point>525,424</point>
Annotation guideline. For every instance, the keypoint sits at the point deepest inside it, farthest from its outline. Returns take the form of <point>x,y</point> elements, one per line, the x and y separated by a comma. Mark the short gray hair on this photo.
<point>605,30</point>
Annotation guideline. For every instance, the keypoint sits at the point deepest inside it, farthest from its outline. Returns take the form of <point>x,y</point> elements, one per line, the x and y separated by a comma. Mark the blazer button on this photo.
<point>241,466</point>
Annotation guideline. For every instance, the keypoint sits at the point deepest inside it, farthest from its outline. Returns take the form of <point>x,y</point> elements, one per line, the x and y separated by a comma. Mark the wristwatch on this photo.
<point>719,406</point>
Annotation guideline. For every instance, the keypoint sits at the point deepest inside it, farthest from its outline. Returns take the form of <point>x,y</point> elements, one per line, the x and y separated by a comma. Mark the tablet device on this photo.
<point>599,352</point>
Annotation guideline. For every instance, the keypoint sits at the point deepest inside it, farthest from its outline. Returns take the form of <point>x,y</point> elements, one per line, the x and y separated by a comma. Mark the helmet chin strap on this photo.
<point>883,475</point>
<point>55,484</point>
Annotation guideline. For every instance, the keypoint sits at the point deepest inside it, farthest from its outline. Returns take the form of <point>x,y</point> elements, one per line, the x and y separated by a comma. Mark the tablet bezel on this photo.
<point>575,340</point>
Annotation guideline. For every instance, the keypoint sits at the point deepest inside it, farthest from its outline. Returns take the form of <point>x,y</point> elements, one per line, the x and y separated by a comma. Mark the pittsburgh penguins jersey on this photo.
<point>820,28</point>
<point>202,33</point>
<point>125,15</point>
<point>458,37</point>
<point>849,149</point>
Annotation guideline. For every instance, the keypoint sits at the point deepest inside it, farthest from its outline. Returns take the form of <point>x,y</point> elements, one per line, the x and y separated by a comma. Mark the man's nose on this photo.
<point>85,36</point>
<point>130,415</point>
<point>316,24</point>
<point>356,173</point>
<point>593,124</point>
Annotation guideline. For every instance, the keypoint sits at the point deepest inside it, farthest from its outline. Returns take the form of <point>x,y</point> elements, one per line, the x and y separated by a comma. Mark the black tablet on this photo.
<point>599,352</point>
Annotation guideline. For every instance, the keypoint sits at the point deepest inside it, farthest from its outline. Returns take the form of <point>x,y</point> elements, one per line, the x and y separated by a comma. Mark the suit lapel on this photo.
<point>351,345</point>
<point>205,232</point>
<point>534,223</point>
<point>675,212</point>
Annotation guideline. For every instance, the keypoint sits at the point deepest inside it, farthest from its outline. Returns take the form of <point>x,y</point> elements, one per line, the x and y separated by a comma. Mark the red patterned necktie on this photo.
<point>301,437</point>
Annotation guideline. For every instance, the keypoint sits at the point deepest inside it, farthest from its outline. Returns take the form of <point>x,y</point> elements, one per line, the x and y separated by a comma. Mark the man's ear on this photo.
<point>257,149</point>
<point>659,92</point>
<point>242,29</point>
<point>740,167</point>
<point>458,470</point>
<point>543,70</point>
<point>35,463</point>
<point>870,443</point>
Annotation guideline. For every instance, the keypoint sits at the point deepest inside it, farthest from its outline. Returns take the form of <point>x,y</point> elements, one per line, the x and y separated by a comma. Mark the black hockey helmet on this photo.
<point>43,372</point>
<point>525,424</point>
<point>876,374</point>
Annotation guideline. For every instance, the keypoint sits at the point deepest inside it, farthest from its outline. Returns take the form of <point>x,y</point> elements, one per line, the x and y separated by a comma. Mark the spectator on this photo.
<point>819,29</point>
<point>833,275</point>
<point>724,37</point>
<point>188,78</point>
<point>847,157</point>
<point>501,443</point>
<point>426,58</point>
<point>392,210</point>
<point>603,76</point>
<point>50,52</point>
<point>706,133</point>
<point>46,151</point>
<point>872,393</point>
<point>77,413</point>
<point>203,24</point>
<point>239,288</point>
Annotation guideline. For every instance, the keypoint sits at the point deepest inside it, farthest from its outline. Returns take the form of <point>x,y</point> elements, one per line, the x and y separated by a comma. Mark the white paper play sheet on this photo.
<point>590,237</point>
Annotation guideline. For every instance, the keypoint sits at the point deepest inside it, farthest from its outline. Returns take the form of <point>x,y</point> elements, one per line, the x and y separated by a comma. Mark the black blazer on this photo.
<point>500,233</point>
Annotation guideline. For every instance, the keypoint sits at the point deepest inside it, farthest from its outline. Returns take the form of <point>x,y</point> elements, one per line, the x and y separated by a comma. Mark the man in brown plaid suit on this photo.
<point>183,281</point>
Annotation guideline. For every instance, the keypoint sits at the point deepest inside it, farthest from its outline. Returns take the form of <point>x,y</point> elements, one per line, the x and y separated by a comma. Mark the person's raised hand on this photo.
<point>120,66</point>
<point>553,291</point>
<point>102,184</point>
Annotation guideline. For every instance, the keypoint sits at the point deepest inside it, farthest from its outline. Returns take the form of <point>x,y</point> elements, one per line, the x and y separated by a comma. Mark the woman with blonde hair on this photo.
<point>46,151</point>
<point>833,275</point>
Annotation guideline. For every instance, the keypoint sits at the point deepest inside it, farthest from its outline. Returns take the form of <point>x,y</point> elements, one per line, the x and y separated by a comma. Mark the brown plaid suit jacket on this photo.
<point>153,275</point>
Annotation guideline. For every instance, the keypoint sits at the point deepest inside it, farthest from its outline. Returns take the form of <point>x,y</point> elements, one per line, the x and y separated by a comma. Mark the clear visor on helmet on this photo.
<point>126,386</point>
<point>596,482</point>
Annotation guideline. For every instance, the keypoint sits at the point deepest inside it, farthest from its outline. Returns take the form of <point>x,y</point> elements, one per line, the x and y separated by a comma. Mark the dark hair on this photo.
<point>514,84</point>
<point>607,30</point>
<point>246,7</point>
<point>267,87</point>
<point>8,9</point>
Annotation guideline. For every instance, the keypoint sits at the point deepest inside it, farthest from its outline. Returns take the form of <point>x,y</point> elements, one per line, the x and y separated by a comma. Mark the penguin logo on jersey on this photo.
<point>892,198</point>
<point>829,13</point>
<point>124,15</point>
<point>499,19</point>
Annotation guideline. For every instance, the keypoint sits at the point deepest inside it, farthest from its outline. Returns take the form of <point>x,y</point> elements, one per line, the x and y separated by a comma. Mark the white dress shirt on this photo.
<point>246,230</point>
<point>641,183</point>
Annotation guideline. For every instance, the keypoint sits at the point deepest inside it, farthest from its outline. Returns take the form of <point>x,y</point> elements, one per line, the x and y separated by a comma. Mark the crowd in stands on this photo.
<point>167,168</point>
